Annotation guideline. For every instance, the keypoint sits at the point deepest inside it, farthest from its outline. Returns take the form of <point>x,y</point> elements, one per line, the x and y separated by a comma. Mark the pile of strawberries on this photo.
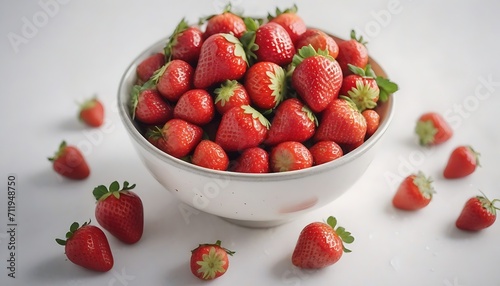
<point>257,95</point>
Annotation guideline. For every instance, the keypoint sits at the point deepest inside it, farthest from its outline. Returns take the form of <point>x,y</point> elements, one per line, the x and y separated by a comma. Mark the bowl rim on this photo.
<point>133,132</point>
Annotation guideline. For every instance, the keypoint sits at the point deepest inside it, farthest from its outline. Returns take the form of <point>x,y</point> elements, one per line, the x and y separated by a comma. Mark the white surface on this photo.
<point>440,53</point>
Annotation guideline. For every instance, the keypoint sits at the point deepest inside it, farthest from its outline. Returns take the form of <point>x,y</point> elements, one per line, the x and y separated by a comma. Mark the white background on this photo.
<point>443,55</point>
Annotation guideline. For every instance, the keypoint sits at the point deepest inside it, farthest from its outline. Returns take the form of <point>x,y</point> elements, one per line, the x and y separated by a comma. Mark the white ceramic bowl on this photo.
<point>254,200</point>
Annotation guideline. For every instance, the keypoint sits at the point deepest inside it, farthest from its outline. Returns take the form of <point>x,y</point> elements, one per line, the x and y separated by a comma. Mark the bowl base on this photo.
<point>256,223</point>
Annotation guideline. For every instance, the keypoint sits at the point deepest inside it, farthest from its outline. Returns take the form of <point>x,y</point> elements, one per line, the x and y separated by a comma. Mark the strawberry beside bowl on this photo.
<point>252,200</point>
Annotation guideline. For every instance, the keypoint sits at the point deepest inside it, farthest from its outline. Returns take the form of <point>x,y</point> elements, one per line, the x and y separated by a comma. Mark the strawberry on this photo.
<point>321,244</point>
<point>265,83</point>
<point>289,156</point>
<point>148,66</point>
<point>462,162</point>
<point>288,19</point>
<point>478,213</point>
<point>91,112</point>
<point>293,121</point>
<point>432,129</point>
<point>210,155</point>
<point>69,162</point>
<point>154,135</point>
<point>173,79</point>
<point>148,105</point>
<point>181,137</point>
<point>372,119</point>
<point>222,57</point>
<point>226,22</point>
<point>317,78</point>
<point>195,106</point>
<point>230,94</point>
<point>120,211</point>
<point>252,160</point>
<point>361,87</point>
<point>414,192</point>
<point>325,151</point>
<point>342,123</point>
<point>184,43</point>
<point>210,261</point>
<point>240,128</point>
<point>319,40</point>
<point>88,247</point>
<point>352,51</point>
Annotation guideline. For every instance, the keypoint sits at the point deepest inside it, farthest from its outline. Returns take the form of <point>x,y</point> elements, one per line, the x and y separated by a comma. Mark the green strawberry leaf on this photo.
<point>358,39</point>
<point>294,9</point>
<point>386,87</point>
<point>101,192</point>
<point>307,52</point>
<point>172,40</point>
<point>256,115</point>
<point>341,232</point>
<point>239,51</point>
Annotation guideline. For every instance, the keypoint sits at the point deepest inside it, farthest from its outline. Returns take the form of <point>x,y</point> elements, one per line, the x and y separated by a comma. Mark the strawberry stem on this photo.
<point>101,192</point>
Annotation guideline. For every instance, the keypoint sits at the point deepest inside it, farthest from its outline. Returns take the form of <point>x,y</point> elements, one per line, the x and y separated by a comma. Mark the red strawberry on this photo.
<point>230,94</point>
<point>432,129</point>
<point>240,128</point>
<point>181,137</point>
<point>69,162</point>
<point>414,192</point>
<point>222,57</point>
<point>154,135</point>
<point>173,79</point>
<point>319,40</point>
<point>361,87</point>
<point>352,51</point>
<point>293,121</point>
<point>88,247</point>
<point>265,83</point>
<point>195,106</point>
<point>120,211</point>
<point>268,43</point>
<point>92,112</point>
<point>209,261</point>
<point>225,22</point>
<point>317,78</point>
<point>288,19</point>
<point>148,66</point>
<point>372,121</point>
<point>289,156</point>
<point>478,213</point>
<point>325,151</point>
<point>342,123</point>
<point>462,162</point>
<point>184,43</point>
<point>210,155</point>
<point>252,160</point>
<point>321,244</point>
<point>149,107</point>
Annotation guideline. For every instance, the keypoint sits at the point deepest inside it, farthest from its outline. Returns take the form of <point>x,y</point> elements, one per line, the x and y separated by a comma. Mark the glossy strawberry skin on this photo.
<point>123,217</point>
<point>275,44</point>
<point>210,155</point>
<point>92,112</point>
<point>150,108</point>
<point>181,137</point>
<point>462,162</point>
<point>187,45</point>
<point>478,213</point>
<point>69,162</point>
<point>239,129</point>
<point>289,156</point>
<point>342,123</point>
<point>148,66</point>
<point>230,94</point>
<point>372,121</point>
<point>351,52</point>
<point>292,23</point>
<point>319,40</point>
<point>222,57</point>
<point>318,246</point>
<point>432,129</point>
<point>252,160</point>
<point>195,106</point>
<point>265,83</point>
<point>227,23</point>
<point>414,193</point>
<point>317,80</point>
<point>89,248</point>
<point>325,151</point>
<point>176,79</point>
<point>293,121</point>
